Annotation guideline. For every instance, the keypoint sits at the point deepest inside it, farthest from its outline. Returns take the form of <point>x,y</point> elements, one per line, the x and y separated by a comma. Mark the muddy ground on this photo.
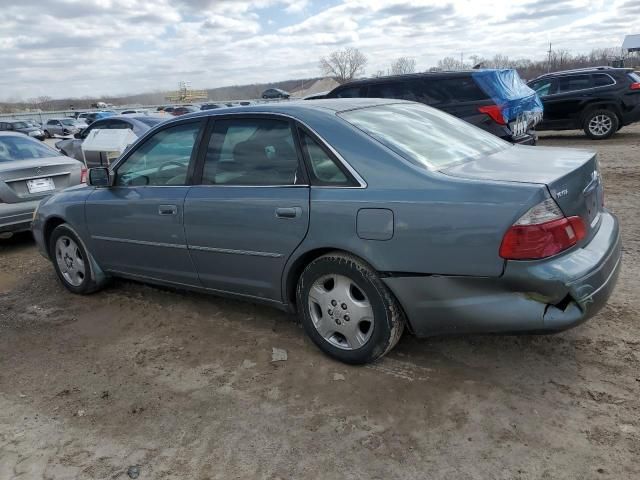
<point>182,385</point>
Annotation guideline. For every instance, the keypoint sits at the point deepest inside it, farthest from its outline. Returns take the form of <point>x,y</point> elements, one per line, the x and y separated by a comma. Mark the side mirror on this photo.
<point>99,177</point>
<point>78,134</point>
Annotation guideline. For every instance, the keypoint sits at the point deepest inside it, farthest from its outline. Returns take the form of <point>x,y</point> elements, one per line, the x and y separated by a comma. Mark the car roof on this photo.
<point>299,108</point>
<point>586,70</point>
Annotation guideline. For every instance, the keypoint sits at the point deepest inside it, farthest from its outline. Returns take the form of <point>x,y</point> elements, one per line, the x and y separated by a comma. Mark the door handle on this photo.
<point>167,210</point>
<point>288,212</point>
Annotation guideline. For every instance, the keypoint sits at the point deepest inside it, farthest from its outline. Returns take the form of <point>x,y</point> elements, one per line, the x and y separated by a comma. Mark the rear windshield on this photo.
<point>23,148</point>
<point>423,135</point>
<point>635,76</point>
<point>150,121</point>
<point>20,125</point>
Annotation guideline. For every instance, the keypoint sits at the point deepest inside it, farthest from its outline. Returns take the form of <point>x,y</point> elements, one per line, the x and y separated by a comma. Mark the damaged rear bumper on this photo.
<point>531,296</point>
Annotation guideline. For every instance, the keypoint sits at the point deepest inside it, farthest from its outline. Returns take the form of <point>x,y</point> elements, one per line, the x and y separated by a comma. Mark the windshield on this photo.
<point>23,148</point>
<point>68,121</point>
<point>423,135</point>
<point>20,125</point>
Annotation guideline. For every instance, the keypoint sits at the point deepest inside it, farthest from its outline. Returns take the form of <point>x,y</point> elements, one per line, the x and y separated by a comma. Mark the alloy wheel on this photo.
<point>70,261</point>
<point>600,125</point>
<point>341,312</point>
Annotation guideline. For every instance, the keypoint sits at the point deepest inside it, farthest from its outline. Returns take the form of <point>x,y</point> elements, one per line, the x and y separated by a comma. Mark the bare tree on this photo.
<point>344,65</point>
<point>403,65</point>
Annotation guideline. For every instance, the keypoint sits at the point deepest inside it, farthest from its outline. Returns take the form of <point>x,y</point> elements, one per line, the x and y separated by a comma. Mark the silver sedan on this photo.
<point>30,171</point>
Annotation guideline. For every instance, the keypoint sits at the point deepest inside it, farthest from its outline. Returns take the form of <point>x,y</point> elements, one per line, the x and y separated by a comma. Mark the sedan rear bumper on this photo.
<point>531,296</point>
<point>16,217</point>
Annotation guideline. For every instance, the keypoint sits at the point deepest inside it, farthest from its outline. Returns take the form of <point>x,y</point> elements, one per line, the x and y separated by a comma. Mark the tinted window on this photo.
<point>23,148</point>
<point>323,168</point>
<point>542,87</point>
<point>461,89</point>
<point>52,122</point>
<point>350,92</point>
<point>572,83</point>
<point>602,80</point>
<point>161,160</point>
<point>429,91</point>
<point>251,152</point>
<point>425,136</point>
<point>118,125</point>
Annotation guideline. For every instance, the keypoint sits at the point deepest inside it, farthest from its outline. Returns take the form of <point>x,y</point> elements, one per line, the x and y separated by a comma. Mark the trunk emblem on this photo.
<point>562,193</point>
<point>39,171</point>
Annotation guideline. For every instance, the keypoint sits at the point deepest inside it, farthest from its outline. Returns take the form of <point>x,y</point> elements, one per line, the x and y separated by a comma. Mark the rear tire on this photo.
<point>346,310</point>
<point>600,124</point>
<point>72,262</point>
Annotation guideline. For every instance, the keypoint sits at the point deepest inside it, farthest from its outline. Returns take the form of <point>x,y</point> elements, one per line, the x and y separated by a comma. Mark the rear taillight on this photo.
<point>635,86</point>
<point>541,232</point>
<point>83,175</point>
<point>495,112</point>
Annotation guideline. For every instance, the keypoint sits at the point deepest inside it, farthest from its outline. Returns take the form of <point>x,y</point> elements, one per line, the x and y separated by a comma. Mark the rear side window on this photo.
<point>351,92</point>
<point>573,83</point>
<point>602,80</point>
<point>251,152</point>
<point>324,170</point>
<point>462,89</point>
<point>423,135</point>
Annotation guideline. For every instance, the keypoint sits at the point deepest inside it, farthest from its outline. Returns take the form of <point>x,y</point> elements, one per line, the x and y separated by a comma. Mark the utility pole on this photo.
<point>461,60</point>
<point>549,60</point>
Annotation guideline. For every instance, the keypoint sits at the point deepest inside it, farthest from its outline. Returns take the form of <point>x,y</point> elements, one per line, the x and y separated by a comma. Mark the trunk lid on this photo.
<point>572,176</point>
<point>18,177</point>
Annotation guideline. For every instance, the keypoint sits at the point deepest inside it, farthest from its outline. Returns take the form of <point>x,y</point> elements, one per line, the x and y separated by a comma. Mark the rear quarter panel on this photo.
<point>442,225</point>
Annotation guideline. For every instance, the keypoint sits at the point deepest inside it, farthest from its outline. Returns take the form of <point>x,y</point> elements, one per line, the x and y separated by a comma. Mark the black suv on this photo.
<point>469,95</point>
<point>599,100</point>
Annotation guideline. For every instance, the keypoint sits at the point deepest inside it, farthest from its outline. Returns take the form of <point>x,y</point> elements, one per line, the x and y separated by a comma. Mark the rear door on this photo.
<point>251,209</point>
<point>136,226</point>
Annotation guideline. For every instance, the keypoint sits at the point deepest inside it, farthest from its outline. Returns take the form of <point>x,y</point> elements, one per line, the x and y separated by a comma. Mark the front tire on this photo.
<point>72,262</point>
<point>47,134</point>
<point>600,124</point>
<point>346,310</point>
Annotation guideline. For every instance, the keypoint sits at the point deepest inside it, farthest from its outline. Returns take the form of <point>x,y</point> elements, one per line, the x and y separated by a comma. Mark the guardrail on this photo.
<point>42,117</point>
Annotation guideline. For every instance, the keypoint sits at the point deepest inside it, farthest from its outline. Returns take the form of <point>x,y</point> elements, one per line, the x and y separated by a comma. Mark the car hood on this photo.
<point>523,164</point>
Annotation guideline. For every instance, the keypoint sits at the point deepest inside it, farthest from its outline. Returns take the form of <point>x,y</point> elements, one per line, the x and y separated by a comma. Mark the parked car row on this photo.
<point>25,127</point>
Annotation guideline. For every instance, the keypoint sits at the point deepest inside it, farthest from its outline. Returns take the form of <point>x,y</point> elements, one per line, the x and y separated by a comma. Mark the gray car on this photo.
<point>139,124</point>
<point>63,127</point>
<point>29,171</point>
<point>365,216</point>
<point>22,126</point>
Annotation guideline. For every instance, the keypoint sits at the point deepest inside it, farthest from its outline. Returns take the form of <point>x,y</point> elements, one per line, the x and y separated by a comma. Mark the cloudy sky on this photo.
<point>75,48</point>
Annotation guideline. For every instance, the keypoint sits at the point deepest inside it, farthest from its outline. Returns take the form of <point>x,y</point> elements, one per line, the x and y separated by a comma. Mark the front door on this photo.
<point>251,210</point>
<point>136,226</point>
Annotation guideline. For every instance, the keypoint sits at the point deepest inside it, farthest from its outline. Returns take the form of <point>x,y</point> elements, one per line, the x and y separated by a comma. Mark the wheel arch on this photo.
<point>49,226</point>
<point>600,105</point>
<point>297,266</point>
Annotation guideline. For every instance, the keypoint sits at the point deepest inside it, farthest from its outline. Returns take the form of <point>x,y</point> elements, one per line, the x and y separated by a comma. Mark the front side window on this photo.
<point>162,159</point>
<point>251,152</point>
<point>573,83</point>
<point>323,168</point>
<point>424,136</point>
<point>542,87</point>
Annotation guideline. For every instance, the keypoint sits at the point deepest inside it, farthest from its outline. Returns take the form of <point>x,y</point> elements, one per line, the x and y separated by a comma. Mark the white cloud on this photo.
<point>94,47</point>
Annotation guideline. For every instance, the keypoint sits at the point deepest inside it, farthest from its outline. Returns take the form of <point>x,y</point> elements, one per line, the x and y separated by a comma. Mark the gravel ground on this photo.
<point>183,385</point>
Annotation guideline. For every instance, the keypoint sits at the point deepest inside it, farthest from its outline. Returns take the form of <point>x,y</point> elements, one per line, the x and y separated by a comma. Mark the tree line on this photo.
<point>350,63</point>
